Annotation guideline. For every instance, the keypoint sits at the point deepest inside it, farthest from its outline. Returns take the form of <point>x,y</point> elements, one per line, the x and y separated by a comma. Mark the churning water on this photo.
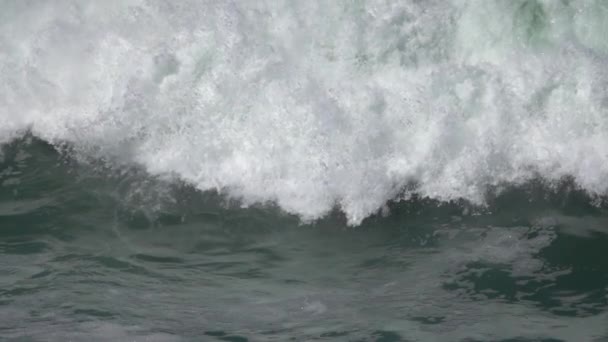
<point>304,170</point>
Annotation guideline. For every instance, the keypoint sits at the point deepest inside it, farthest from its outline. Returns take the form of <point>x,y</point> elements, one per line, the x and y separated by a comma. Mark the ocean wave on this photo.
<point>316,105</point>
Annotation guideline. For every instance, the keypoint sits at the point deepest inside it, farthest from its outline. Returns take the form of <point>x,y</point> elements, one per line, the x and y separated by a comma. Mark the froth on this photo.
<point>313,105</point>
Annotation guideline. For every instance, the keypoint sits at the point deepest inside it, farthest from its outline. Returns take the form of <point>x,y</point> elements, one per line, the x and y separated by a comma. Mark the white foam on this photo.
<point>316,104</point>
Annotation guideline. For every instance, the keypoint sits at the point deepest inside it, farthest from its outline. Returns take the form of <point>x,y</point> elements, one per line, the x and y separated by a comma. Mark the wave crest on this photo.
<point>315,105</point>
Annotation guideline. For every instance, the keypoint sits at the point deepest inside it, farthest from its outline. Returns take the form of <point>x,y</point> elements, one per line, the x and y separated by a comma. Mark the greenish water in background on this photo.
<point>84,257</point>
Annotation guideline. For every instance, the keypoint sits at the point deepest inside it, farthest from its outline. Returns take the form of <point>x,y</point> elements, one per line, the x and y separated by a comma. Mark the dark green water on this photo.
<point>99,255</point>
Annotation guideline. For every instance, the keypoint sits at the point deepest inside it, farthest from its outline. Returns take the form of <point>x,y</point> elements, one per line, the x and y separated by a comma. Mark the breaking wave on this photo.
<point>313,104</point>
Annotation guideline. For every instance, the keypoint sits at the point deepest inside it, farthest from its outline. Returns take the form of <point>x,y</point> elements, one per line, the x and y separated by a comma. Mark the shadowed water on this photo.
<point>105,256</point>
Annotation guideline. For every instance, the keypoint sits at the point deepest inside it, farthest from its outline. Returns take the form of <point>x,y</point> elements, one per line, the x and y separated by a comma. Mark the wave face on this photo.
<point>317,104</point>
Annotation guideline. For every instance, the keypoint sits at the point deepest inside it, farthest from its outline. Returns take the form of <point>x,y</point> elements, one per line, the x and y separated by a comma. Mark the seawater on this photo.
<point>303,170</point>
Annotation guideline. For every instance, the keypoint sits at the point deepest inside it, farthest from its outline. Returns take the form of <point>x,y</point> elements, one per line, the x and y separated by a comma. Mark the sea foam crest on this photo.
<point>316,104</point>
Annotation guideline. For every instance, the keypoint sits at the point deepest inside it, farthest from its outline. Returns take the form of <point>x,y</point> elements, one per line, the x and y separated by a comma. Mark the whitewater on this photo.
<point>316,105</point>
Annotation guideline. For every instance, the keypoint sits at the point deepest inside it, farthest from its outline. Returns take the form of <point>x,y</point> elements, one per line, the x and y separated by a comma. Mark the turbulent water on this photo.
<point>304,170</point>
